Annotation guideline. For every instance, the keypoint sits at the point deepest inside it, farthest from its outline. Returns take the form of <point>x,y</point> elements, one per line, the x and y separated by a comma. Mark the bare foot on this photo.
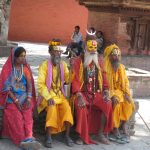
<point>103,139</point>
<point>79,141</point>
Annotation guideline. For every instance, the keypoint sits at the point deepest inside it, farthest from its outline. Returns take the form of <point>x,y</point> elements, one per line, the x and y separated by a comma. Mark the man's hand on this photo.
<point>106,95</point>
<point>81,102</point>
<point>127,98</point>
<point>51,102</point>
<point>114,101</point>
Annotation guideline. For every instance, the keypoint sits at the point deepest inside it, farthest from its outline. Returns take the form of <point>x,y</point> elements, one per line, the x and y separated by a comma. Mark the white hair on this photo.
<point>89,57</point>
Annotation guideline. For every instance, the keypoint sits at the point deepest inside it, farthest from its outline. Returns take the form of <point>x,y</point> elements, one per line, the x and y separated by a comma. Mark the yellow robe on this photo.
<point>61,111</point>
<point>119,86</point>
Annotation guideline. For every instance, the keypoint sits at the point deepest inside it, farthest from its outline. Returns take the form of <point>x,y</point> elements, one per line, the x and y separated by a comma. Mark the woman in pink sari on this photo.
<point>18,100</point>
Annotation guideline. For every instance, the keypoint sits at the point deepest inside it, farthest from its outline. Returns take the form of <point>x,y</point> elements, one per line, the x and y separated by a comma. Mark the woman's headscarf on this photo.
<point>7,69</point>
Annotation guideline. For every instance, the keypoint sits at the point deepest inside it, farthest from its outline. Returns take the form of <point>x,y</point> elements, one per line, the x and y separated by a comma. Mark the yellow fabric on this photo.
<point>119,86</point>
<point>121,112</point>
<point>100,79</point>
<point>57,114</point>
<point>41,83</point>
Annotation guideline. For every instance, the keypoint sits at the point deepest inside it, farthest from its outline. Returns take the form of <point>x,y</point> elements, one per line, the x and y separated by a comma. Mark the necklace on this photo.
<point>91,71</point>
<point>18,73</point>
<point>91,77</point>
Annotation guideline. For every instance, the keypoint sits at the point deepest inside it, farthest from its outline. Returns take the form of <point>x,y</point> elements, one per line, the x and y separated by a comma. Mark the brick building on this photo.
<point>40,21</point>
<point>124,22</point>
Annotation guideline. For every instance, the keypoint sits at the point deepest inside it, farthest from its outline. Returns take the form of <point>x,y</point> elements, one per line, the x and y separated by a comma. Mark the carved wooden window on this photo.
<point>141,35</point>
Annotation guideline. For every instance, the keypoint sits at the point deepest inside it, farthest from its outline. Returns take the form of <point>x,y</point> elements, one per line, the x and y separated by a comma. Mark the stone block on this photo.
<point>5,51</point>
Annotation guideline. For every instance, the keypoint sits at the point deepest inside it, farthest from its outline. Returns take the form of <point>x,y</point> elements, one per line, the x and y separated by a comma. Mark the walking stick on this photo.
<point>144,121</point>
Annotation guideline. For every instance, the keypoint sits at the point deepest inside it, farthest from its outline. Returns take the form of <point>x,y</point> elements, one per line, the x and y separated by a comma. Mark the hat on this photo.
<point>55,44</point>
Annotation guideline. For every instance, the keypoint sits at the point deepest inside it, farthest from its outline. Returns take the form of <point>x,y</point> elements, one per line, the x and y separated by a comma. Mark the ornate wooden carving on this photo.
<point>138,22</point>
<point>140,4</point>
<point>131,32</point>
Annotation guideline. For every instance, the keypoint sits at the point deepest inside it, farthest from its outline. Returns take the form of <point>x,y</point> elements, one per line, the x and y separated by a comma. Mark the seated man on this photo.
<point>119,88</point>
<point>76,42</point>
<point>53,73</point>
<point>93,108</point>
<point>100,42</point>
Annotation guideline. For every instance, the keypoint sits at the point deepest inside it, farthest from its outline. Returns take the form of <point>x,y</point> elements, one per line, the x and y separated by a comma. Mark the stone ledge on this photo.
<point>5,50</point>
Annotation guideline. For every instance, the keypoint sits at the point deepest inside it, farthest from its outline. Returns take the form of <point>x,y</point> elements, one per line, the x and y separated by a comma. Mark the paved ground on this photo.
<point>140,141</point>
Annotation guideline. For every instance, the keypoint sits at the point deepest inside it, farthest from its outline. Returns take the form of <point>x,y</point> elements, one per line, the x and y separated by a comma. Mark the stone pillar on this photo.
<point>4,15</point>
<point>106,22</point>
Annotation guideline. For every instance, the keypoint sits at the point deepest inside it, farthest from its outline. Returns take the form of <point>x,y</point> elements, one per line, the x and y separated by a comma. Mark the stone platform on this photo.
<point>36,53</point>
<point>5,50</point>
<point>137,61</point>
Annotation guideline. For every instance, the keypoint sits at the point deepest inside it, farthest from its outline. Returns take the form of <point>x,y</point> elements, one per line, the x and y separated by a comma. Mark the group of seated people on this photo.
<point>100,96</point>
<point>77,45</point>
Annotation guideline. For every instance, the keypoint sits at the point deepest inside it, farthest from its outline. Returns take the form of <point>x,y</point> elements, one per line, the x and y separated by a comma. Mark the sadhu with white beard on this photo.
<point>93,108</point>
<point>118,82</point>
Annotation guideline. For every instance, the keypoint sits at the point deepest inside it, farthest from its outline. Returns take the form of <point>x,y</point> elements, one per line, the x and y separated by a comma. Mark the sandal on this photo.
<point>125,138</point>
<point>69,141</point>
<point>117,139</point>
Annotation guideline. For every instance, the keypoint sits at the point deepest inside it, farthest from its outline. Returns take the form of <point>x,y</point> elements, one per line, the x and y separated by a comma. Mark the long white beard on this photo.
<point>88,58</point>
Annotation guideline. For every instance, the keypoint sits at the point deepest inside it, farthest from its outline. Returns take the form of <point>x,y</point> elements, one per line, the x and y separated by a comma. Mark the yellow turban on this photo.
<point>56,44</point>
<point>109,49</point>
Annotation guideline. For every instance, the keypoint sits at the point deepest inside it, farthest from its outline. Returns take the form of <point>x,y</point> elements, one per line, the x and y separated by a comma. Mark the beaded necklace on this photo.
<point>18,73</point>
<point>57,89</point>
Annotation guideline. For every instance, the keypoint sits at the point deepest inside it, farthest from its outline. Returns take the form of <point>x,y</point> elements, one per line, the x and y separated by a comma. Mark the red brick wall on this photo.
<point>114,31</point>
<point>40,21</point>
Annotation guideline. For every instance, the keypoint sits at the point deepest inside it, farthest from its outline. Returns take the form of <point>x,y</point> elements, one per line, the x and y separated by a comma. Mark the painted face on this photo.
<point>115,58</point>
<point>21,59</point>
<point>115,52</point>
<point>91,46</point>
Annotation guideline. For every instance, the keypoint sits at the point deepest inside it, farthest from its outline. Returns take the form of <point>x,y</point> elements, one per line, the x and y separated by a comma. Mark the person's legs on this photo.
<point>28,122</point>
<point>13,124</point>
<point>68,48</point>
<point>79,47</point>
<point>29,142</point>
<point>101,135</point>
<point>69,141</point>
<point>51,123</point>
<point>82,125</point>
<point>125,114</point>
<point>66,120</point>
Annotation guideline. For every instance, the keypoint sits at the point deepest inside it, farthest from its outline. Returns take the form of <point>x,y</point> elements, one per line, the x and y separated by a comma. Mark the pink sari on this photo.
<point>17,125</point>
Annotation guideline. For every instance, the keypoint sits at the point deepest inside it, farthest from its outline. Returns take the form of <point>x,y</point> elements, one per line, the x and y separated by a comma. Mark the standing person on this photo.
<point>53,73</point>
<point>17,86</point>
<point>118,82</point>
<point>93,108</point>
<point>100,42</point>
<point>76,42</point>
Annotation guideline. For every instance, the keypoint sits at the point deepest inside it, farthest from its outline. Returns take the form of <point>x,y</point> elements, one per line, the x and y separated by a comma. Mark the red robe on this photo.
<point>88,118</point>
